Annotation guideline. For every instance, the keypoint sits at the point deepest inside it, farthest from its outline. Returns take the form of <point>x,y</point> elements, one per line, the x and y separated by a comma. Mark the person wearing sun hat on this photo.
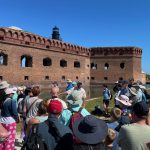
<point>91,131</point>
<point>136,136</point>
<point>9,118</point>
<point>52,127</point>
<point>69,84</point>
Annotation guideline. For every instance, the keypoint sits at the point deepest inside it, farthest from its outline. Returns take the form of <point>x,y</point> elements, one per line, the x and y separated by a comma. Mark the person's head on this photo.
<point>140,111</point>
<point>123,101</point>
<point>55,107</point>
<point>131,80</point>
<point>90,130</point>
<point>133,92</point>
<point>74,83</point>
<point>55,84</point>
<point>42,109</point>
<point>4,85</point>
<point>35,90</point>
<point>28,91</point>
<point>9,92</point>
<point>115,114</point>
<point>105,86</point>
<point>111,136</point>
<point>54,91</point>
<point>79,84</point>
<point>124,83</point>
<point>69,81</point>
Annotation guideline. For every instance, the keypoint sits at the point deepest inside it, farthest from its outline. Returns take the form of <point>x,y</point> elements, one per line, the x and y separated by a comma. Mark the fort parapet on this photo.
<point>27,58</point>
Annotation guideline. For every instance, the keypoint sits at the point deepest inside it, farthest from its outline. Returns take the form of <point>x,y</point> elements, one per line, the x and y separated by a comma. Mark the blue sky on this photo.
<point>86,23</point>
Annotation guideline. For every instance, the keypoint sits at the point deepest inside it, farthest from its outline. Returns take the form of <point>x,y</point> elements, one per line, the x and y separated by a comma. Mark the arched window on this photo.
<point>63,63</point>
<point>47,62</point>
<point>93,66</point>
<point>77,64</point>
<point>122,65</point>
<point>106,66</point>
<point>3,59</point>
<point>26,61</point>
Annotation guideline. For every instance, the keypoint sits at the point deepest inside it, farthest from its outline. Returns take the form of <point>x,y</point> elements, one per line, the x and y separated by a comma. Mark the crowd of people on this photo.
<point>65,124</point>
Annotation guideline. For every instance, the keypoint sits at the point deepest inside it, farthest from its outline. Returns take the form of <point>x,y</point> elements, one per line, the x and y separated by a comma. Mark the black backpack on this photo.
<point>34,141</point>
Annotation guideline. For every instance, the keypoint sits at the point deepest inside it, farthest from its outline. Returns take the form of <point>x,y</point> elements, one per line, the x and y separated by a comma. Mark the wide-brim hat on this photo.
<point>124,100</point>
<point>68,80</point>
<point>9,91</point>
<point>4,85</point>
<point>133,91</point>
<point>90,130</point>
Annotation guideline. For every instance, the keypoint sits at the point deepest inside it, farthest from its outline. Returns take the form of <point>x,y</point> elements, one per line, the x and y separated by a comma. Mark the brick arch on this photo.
<point>9,34</point>
<point>43,41</point>
<point>33,39</point>
<point>15,35</point>
<point>21,36</point>
<point>2,32</point>
<point>27,38</point>
<point>38,40</point>
<point>61,44</point>
<point>65,45</point>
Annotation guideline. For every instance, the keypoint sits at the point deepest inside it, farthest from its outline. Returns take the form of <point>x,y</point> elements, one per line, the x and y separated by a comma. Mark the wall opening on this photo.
<point>121,78</point>
<point>46,77</point>
<point>63,63</point>
<point>77,64</point>
<point>92,78</point>
<point>77,77</point>
<point>122,65</point>
<point>88,78</point>
<point>3,59</point>
<point>106,66</point>
<point>26,61</point>
<point>105,78</point>
<point>63,78</point>
<point>26,77</point>
<point>47,62</point>
<point>93,66</point>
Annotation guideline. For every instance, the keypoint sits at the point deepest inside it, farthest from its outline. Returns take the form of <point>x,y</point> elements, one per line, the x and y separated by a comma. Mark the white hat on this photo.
<point>4,85</point>
<point>124,100</point>
<point>69,80</point>
<point>142,87</point>
<point>9,91</point>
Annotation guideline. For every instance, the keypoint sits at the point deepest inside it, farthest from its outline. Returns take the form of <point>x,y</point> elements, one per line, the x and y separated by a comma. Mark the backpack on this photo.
<point>75,116</point>
<point>20,105</point>
<point>34,141</point>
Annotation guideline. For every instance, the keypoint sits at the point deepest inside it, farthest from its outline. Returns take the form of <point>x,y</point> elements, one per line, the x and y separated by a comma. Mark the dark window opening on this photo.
<point>88,78</point>
<point>26,77</point>
<point>64,49</point>
<point>47,62</point>
<point>106,66</point>
<point>3,59</point>
<point>47,46</point>
<point>122,65</point>
<point>63,78</point>
<point>88,65</point>
<point>93,66</point>
<point>77,64</point>
<point>105,78</point>
<point>26,61</point>
<point>93,78</point>
<point>27,43</point>
<point>46,77</point>
<point>1,38</point>
<point>121,78</point>
<point>63,63</point>
<point>1,78</point>
<point>77,77</point>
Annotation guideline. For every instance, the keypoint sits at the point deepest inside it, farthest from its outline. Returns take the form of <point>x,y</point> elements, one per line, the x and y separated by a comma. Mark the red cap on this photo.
<point>55,107</point>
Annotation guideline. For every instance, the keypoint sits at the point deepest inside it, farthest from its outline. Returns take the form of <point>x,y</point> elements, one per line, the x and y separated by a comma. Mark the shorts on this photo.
<point>106,101</point>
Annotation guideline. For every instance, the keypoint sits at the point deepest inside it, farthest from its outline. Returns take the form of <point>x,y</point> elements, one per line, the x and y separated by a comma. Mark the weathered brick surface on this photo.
<point>13,43</point>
